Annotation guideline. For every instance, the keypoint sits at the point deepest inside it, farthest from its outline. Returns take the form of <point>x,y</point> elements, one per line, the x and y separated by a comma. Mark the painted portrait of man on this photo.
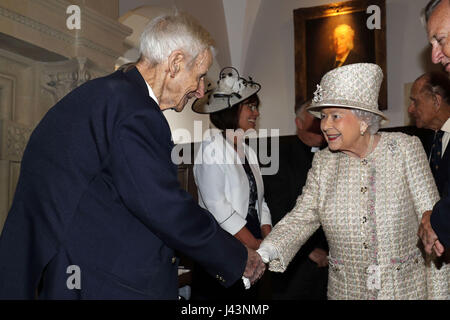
<point>343,45</point>
<point>336,41</point>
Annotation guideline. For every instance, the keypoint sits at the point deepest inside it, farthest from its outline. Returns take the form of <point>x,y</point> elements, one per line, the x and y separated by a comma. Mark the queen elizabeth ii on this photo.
<point>368,190</point>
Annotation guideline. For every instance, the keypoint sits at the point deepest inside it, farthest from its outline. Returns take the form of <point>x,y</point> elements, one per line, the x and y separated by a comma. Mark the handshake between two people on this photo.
<point>256,264</point>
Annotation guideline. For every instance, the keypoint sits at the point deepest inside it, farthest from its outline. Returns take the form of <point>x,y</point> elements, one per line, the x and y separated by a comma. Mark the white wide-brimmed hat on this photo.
<point>231,89</point>
<point>354,86</point>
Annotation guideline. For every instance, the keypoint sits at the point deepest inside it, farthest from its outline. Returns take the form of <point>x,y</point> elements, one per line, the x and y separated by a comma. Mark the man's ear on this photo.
<point>437,101</point>
<point>175,61</point>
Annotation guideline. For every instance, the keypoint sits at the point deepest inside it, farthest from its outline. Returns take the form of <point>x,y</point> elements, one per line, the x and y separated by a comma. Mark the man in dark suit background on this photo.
<point>307,274</point>
<point>430,107</point>
<point>434,229</point>
<point>98,210</point>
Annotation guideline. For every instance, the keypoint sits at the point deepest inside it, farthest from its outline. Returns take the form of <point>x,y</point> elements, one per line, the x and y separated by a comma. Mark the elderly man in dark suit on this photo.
<point>435,229</point>
<point>98,195</point>
<point>430,106</point>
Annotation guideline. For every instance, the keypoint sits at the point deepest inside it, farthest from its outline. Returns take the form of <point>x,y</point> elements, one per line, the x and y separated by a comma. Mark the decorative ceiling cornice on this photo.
<point>100,35</point>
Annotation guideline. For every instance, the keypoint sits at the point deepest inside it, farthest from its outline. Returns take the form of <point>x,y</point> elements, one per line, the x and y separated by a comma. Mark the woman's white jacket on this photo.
<point>223,187</point>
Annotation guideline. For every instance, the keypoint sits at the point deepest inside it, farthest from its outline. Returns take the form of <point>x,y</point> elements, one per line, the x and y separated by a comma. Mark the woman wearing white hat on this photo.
<point>368,190</point>
<point>227,173</point>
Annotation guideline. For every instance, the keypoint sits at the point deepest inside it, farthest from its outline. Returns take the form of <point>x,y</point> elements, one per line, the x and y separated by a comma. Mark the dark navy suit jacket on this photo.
<point>440,218</point>
<point>97,189</point>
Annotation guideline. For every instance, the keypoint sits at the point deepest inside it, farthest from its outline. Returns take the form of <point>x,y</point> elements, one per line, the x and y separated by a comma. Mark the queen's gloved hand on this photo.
<point>267,253</point>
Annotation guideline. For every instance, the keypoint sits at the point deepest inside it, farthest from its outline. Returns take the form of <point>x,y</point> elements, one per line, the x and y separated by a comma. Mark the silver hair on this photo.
<point>428,11</point>
<point>371,119</point>
<point>178,31</point>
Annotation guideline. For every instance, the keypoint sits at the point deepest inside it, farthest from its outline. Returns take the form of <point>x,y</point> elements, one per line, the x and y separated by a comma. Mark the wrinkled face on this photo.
<point>343,39</point>
<point>421,105</point>
<point>248,114</point>
<point>190,81</point>
<point>438,29</point>
<point>341,128</point>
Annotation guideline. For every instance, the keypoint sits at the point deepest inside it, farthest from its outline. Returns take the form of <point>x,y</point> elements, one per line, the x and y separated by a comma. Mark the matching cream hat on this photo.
<point>354,86</point>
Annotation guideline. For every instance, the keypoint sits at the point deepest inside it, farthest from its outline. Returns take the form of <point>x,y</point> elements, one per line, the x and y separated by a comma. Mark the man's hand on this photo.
<point>255,266</point>
<point>429,237</point>
<point>319,256</point>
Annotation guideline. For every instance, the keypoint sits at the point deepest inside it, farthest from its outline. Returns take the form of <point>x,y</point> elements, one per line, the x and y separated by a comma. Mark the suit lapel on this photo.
<point>443,174</point>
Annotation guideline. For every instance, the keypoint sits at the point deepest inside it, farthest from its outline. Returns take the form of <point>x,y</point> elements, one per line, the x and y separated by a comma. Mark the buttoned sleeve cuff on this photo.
<point>233,223</point>
<point>266,218</point>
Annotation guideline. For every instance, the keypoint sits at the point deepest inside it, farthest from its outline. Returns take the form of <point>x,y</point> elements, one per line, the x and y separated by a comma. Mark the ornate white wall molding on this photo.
<point>59,78</point>
<point>36,25</point>
<point>13,139</point>
<point>43,24</point>
<point>7,96</point>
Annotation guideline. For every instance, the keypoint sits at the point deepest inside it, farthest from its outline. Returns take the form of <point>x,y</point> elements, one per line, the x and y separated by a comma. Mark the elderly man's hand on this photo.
<point>255,266</point>
<point>429,237</point>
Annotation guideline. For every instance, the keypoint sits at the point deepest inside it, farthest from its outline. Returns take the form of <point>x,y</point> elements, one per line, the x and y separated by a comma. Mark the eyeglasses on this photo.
<point>252,106</point>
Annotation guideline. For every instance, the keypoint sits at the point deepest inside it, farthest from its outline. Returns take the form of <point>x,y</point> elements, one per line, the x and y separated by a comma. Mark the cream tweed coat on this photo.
<point>370,211</point>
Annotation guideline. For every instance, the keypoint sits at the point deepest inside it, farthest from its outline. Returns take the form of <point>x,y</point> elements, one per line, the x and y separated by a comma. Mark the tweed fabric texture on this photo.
<point>355,86</point>
<point>370,211</point>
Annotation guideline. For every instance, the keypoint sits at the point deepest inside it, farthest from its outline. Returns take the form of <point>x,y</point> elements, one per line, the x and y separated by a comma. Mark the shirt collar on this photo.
<point>446,126</point>
<point>151,93</point>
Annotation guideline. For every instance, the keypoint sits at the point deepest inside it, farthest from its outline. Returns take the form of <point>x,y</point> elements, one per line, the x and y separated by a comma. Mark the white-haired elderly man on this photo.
<point>98,211</point>
<point>435,227</point>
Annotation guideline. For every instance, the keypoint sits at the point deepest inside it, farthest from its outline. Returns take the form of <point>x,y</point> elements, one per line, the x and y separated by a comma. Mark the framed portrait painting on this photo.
<point>337,34</point>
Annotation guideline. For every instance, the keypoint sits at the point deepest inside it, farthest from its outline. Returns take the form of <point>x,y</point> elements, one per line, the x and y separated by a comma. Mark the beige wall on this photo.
<point>209,13</point>
<point>109,8</point>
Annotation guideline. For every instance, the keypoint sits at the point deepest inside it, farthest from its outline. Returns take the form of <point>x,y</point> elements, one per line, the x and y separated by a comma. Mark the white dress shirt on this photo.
<point>446,137</point>
<point>151,93</point>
